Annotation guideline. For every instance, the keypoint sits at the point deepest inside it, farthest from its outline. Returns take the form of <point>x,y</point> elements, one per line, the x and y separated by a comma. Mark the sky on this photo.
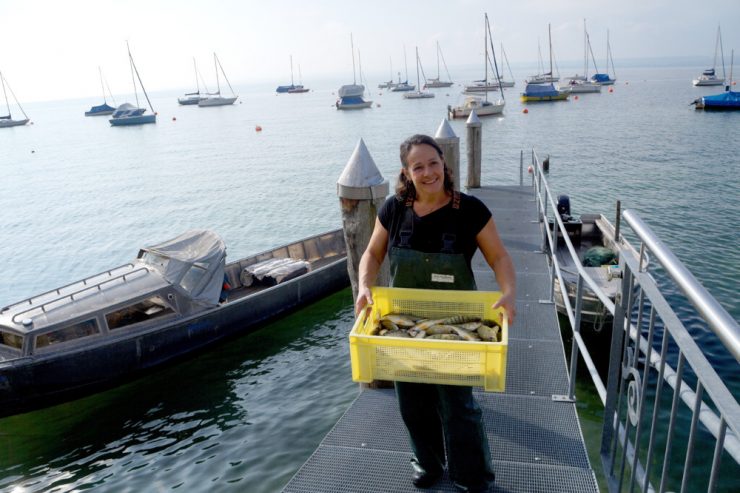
<point>51,49</point>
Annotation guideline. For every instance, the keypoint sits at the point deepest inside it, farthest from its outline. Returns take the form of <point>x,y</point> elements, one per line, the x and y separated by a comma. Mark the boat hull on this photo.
<point>438,84</point>
<point>708,82</point>
<point>36,381</point>
<point>541,99</point>
<point>187,101</point>
<point>462,112</point>
<point>99,113</point>
<point>204,102</point>
<point>353,106</point>
<point>418,95</point>
<point>133,120</point>
<point>13,123</point>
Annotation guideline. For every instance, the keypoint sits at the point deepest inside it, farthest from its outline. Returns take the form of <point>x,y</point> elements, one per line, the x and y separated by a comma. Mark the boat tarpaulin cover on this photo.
<point>540,90</point>
<point>600,78</point>
<point>728,99</point>
<point>351,90</point>
<point>193,262</point>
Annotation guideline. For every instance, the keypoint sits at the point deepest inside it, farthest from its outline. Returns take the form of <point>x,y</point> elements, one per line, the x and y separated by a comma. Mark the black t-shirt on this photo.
<point>465,223</point>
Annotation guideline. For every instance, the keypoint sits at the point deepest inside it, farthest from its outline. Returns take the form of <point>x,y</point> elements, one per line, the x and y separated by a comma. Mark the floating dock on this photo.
<point>535,438</point>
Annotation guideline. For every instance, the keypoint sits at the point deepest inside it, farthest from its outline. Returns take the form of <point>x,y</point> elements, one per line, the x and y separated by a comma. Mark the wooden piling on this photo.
<point>450,144</point>
<point>361,190</point>
<point>474,150</point>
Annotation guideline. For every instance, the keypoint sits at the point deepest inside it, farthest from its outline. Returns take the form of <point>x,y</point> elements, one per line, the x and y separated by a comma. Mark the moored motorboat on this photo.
<point>175,298</point>
<point>593,238</point>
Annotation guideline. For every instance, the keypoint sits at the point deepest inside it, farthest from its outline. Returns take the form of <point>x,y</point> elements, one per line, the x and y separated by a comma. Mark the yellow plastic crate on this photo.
<point>477,364</point>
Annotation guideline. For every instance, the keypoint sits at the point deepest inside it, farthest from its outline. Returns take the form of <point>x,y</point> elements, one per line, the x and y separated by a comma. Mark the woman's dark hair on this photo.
<point>405,188</point>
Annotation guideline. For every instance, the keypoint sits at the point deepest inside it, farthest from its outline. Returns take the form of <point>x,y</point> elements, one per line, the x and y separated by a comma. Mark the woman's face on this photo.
<point>425,169</point>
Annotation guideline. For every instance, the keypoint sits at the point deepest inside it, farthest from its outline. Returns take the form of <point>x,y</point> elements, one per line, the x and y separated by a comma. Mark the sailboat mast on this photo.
<point>585,50</point>
<point>133,79</point>
<point>438,74</point>
<point>133,67</point>
<point>493,55</point>
<point>225,78</point>
<point>195,69</point>
<point>291,70</point>
<point>549,39</point>
<point>354,74</point>
<point>406,64</point>
<point>418,82</point>
<point>215,66</point>
<point>102,87</point>
<point>7,105</point>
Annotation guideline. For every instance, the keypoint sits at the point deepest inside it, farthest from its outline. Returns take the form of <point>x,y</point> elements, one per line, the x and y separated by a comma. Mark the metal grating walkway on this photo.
<point>536,443</point>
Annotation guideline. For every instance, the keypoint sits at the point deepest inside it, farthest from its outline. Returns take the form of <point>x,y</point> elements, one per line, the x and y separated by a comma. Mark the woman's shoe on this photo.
<point>423,478</point>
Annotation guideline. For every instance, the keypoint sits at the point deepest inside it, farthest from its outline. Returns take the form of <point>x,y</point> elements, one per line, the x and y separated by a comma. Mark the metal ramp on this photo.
<point>536,442</point>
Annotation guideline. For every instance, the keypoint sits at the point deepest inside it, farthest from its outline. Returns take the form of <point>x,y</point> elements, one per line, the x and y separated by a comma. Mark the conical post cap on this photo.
<point>444,131</point>
<point>473,119</point>
<point>361,178</point>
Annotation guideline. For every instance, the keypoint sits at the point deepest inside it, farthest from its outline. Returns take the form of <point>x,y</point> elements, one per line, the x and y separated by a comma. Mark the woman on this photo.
<point>431,233</point>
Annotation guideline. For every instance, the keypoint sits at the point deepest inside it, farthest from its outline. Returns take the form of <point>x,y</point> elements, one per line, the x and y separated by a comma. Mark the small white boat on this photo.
<point>418,94</point>
<point>215,98</point>
<point>709,76</point>
<point>481,106</point>
<point>351,96</point>
<point>436,81</point>
<point>192,98</point>
<point>7,120</point>
<point>127,113</point>
<point>579,84</point>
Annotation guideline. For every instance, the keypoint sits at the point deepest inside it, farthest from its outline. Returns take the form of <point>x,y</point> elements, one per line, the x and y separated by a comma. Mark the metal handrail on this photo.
<point>720,321</point>
<point>71,296</point>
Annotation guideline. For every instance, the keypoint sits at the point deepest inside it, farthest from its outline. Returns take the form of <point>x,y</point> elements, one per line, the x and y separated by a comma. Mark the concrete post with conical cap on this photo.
<point>361,190</point>
<point>450,144</point>
<point>474,150</point>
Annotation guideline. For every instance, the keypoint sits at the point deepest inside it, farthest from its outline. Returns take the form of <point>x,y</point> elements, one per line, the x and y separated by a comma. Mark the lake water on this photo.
<point>78,196</point>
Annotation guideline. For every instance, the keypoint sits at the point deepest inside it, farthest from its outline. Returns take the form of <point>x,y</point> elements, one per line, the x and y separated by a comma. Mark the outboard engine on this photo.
<point>564,208</point>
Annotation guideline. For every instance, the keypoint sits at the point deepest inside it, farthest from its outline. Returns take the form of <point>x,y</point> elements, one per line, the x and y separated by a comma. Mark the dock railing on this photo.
<point>643,428</point>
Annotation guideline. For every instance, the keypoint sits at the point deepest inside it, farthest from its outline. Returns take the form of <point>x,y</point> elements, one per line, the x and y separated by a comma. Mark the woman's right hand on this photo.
<point>364,299</point>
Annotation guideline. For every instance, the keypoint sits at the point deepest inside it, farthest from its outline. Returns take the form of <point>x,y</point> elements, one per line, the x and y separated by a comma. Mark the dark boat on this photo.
<point>175,298</point>
<point>593,239</point>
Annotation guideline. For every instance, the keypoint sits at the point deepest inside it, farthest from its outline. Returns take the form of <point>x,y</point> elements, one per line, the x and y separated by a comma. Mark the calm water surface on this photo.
<point>78,197</point>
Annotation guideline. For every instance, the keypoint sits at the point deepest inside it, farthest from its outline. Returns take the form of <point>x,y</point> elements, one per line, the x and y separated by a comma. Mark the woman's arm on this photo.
<point>499,260</point>
<point>370,265</point>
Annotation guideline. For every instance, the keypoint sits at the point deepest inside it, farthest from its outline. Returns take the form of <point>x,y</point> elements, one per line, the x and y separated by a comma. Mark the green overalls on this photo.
<point>439,415</point>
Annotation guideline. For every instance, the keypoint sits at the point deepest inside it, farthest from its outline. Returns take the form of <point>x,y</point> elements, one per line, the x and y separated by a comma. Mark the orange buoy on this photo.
<point>529,170</point>
<point>525,111</point>
<point>611,89</point>
<point>174,118</point>
<point>575,97</point>
<point>257,128</point>
<point>734,82</point>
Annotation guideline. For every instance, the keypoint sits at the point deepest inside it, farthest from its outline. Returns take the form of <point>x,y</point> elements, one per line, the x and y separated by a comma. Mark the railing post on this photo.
<point>576,328</point>
<point>521,168</point>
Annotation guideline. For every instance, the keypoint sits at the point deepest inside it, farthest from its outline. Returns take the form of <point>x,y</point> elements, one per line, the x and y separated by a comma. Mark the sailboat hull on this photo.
<point>133,120</point>
<point>353,106</point>
<point>482,108</point>
<point>708,82</point>
<point>433,84</point>
<point>188,100</point>
<point>217,101</point>
<point>13,123</point>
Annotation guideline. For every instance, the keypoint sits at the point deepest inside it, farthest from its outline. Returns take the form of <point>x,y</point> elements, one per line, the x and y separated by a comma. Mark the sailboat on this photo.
<point>292,86</point>
<point>103,109</point>
<point>543,91</point>
<point>128,114</point>
<point>351,95</point>
<point>605,79</point>
<point>581,84</point>
<point>502,82</point>
<point>403,86</point>
<point>482,106</point>
<point>486,85</point>
<point>7,120</point>
<point>390,84</point>
<point>191,98</point>
<point>437,82</point>
<point>297,89</point>
<point>215,98</point>
<point>709,77</point>
<point>418,94</point>
<point>542,77</point>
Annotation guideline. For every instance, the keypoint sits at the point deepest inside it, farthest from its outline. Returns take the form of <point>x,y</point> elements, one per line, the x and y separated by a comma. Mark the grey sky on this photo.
<point>51,49</point>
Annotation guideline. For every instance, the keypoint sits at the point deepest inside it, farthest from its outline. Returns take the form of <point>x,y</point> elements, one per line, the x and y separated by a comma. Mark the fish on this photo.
<point>460,319</point>
<point>445,337</point>
<point>469,326</point>
<point>464,334</point>
<point>399,319</point>
<point>440,329</point>
<point>425,324</point>
<point>488,333</point>
<point>389,324</point>
<point>396,333</point>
